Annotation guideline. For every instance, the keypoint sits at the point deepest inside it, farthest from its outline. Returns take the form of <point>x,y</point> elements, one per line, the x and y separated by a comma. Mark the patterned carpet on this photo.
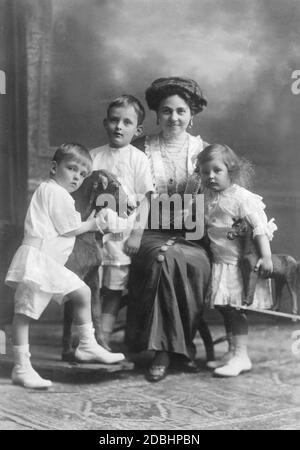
<point>266,398</point>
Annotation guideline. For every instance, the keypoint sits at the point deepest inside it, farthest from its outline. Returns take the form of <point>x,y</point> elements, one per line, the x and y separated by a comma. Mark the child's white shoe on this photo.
<point>220,362</point>
<point>96,353</point>
<point>227,356</point>
<point>23,373</point>
<point>234,367</point>
<point>29,378</point>
<point>89,350</point>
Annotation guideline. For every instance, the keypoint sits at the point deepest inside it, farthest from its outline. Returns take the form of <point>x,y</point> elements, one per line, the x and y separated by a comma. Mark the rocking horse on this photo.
<point>286,269</point>
<point>86,256</point>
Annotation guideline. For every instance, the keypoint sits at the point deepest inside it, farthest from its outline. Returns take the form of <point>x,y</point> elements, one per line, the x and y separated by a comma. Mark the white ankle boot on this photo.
<point>240,361</point>
<point>89,350</point>
<point>222,361</point>
<point>23,373</point>
<point>234,367</point>
<point>226,357</point>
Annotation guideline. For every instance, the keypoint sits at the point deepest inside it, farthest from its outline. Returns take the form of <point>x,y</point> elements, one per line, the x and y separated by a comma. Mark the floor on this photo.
<point>98,397</point>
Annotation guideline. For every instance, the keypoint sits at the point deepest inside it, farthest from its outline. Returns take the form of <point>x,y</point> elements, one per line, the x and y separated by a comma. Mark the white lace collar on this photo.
<point>153,151</point>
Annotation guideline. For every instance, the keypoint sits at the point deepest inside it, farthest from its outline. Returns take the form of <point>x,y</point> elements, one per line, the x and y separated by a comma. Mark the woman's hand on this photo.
<point>133,243</point>
<point>265,266</point>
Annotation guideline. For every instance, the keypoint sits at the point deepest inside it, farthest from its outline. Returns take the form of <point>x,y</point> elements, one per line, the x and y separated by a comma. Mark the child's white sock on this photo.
<point>23,373</point>
<point>89,350</point>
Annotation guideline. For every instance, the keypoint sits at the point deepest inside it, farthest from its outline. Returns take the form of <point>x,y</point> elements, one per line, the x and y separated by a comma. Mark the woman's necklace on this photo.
<point>174,154</point>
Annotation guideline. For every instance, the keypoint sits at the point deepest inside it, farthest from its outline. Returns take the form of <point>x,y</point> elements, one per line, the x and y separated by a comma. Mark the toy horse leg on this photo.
<point>292,287</point>
<point>207,340</point>
<point>279,284</point>
<point>251,288</point>
<point>67,350</point>
<point>250,280</point>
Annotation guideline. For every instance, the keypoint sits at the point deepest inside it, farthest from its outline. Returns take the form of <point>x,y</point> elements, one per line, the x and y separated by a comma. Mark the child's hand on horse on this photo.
<point>265,266</point>
<point>102,222</point>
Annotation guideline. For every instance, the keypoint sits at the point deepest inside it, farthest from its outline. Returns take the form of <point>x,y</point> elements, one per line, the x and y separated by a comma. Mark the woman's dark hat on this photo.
<point>164,87</point>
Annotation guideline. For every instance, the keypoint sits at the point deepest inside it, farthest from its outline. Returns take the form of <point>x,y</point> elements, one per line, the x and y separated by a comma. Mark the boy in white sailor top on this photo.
<point>38,271</point>
<point>124,120</point>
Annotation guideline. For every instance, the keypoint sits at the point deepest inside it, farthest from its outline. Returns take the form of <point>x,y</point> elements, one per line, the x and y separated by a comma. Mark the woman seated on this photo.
<point>169,275</point>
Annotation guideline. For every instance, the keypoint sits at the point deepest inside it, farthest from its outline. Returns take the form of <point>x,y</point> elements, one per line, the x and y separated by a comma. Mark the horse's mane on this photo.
<point>93,186</point>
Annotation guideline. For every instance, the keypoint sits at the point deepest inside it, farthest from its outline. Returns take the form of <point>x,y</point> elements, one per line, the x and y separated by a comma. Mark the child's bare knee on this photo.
<point>86,292</point>
<point>82,296</point>
<point>85,295</point>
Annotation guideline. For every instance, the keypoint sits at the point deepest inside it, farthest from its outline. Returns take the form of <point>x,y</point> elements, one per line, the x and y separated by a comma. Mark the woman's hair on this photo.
<point>240,170</point>
<point>129,100</point>
<point>185,88</point>
<point>73,151</point>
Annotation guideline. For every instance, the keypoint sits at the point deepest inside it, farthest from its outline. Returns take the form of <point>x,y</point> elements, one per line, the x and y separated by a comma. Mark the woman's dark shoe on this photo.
<point>156,373</point>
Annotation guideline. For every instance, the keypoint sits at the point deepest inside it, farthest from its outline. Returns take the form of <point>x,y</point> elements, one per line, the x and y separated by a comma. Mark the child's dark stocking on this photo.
<point>239,322</point>
<point>226,312</point>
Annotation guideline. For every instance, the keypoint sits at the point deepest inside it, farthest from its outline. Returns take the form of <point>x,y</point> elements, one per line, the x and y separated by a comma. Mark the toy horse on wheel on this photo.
<point>285,267</point>
<point>87,254</point>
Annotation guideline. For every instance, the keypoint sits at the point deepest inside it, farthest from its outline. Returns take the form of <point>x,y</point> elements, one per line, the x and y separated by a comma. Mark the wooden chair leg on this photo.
<point>251,288</point>
<point>279,283</point>
<point>293,293</point>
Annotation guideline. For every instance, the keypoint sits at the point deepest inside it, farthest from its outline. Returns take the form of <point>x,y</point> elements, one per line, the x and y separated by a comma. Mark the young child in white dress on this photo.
<point>37,270</point>
<point>124,120</point>
<point>223,175</point>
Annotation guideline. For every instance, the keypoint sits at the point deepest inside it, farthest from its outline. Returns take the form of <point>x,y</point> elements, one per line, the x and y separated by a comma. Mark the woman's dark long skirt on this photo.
<point>166,294</point>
